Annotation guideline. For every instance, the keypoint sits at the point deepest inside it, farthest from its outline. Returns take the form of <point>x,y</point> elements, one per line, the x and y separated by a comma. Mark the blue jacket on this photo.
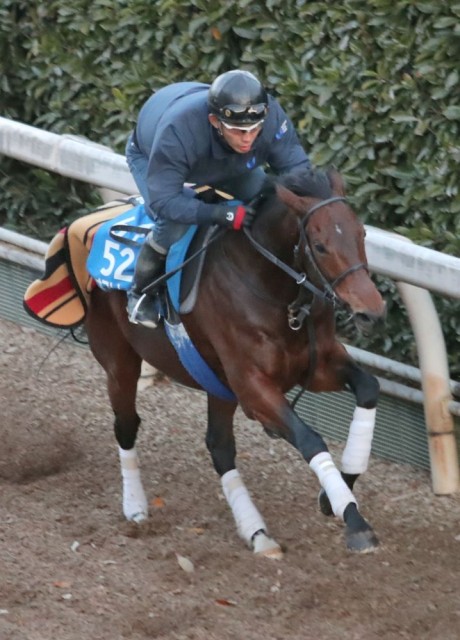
<point>174,132</point>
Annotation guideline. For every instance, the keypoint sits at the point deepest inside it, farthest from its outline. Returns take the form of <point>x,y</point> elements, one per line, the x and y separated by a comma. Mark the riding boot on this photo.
<point>144,308</point>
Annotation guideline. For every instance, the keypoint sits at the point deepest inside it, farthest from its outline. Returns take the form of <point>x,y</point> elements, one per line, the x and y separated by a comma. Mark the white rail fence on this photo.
<point>415,270</point>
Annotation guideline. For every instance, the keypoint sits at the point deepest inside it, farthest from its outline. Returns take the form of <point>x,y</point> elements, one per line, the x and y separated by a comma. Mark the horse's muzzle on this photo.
<point>368,323</point>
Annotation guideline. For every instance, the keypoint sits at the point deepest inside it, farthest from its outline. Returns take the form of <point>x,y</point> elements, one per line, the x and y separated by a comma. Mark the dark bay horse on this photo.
<point>264,321</point>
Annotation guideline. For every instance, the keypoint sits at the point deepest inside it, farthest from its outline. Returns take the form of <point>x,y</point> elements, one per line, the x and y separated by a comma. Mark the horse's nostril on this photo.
<point>367,322</point>
<point>363,318</point>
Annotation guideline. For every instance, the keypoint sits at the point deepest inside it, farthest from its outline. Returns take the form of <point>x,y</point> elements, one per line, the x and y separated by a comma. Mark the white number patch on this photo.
<point>118,259</point>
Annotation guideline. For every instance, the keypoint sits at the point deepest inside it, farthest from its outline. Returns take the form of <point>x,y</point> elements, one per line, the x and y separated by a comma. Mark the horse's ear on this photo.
<point>337,182</point>
<point>293,201</point>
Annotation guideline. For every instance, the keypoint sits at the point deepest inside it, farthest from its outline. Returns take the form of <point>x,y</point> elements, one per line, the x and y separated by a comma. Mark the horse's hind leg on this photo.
<point>356,454</point>
<point>221,445</point>
<point>126,425</point>
<point>122,366</point>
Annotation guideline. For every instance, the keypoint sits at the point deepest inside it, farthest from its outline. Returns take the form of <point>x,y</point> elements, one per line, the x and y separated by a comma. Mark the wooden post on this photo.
<point>442,446</point>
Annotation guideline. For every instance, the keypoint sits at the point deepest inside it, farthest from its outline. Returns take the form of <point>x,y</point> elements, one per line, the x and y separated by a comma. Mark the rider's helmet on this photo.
<point>238,98</point>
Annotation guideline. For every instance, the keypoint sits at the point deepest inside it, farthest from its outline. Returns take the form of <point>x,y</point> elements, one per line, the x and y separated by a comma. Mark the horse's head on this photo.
<point>331,247</point>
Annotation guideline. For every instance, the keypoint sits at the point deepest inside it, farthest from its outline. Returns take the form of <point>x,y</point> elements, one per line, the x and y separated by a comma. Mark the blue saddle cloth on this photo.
<point>112,258</point>
<point>111,262</point>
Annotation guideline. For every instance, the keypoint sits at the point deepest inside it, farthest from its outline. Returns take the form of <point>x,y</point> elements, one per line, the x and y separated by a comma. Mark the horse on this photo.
<point>264,321</point>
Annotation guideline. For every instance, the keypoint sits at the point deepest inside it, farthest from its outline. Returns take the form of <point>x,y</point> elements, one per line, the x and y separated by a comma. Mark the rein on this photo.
<point>219,232</point>
<point>300,278</point>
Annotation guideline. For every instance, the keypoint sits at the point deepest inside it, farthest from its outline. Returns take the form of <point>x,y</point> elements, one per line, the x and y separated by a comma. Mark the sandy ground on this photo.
<point>71,568</point>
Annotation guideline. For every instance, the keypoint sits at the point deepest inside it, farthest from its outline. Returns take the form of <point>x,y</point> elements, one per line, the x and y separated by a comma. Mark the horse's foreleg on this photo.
<point>356,454</point>
<point>272,410</point>
<point>221,445</point>
<point>359,535</point>
<point>357,451</point>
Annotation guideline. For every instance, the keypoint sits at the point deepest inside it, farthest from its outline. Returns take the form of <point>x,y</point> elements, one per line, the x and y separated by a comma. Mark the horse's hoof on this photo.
<point>324,504</point>
<point>362,541</point>
<point>137,518</point>
<point>265,546</point>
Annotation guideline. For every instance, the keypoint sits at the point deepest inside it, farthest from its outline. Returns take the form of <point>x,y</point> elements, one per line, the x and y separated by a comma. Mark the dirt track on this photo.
<point>73,569</point>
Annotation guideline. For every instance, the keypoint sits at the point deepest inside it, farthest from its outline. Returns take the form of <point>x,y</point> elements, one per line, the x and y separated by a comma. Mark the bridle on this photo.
<point>304,240</point>
<point>300,308</point>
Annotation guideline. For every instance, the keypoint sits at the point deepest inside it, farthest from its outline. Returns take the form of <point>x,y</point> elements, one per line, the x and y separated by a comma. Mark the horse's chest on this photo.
<point>292,362</point>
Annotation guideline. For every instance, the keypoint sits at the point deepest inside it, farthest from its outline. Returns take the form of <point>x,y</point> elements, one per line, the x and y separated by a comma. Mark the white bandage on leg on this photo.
<point>247,518</point>
<point>332,482</point>
<point>135,505</point>
<point>355,457</point>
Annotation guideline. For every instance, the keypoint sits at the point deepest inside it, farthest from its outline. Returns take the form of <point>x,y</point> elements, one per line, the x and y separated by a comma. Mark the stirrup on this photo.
<point>138,314</point>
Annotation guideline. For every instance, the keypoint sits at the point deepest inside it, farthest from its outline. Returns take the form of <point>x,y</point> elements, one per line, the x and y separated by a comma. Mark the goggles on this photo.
<point>243,113</point>
<point>249,127</point>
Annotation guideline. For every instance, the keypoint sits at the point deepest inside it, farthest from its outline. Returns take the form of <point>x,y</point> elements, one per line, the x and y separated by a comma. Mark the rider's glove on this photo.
<point>234,216</point>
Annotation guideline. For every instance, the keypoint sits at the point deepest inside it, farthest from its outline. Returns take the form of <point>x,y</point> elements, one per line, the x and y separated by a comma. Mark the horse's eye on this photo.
<point>320,248</point>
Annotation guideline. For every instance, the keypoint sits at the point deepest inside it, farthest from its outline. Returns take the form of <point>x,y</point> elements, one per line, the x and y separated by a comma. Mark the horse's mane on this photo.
<point>311,183</point>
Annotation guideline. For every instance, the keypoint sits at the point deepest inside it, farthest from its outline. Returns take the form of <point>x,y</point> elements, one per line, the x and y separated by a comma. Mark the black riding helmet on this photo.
<point>238,98</point>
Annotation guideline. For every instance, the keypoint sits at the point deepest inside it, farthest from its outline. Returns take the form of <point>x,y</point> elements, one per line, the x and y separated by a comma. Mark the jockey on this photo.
<point>219,135</point>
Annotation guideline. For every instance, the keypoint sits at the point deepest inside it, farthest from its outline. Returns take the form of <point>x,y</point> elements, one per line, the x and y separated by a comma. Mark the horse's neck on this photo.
<point>278,235</point>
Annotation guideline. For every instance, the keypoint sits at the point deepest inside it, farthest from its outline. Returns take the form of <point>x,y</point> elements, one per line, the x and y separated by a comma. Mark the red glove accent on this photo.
<point>240,215</point>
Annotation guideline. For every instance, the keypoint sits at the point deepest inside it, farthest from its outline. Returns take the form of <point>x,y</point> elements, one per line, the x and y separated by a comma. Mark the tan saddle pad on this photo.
<point>60,297</point>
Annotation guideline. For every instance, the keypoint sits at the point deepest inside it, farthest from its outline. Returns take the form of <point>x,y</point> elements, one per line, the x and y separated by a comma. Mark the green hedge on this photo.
<point>373,88</point>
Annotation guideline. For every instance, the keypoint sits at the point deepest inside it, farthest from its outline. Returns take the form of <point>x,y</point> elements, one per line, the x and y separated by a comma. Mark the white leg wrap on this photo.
<point>355,457</point>
<point>135,505</point>
<point>332,482</point>
<point>247,518</point>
